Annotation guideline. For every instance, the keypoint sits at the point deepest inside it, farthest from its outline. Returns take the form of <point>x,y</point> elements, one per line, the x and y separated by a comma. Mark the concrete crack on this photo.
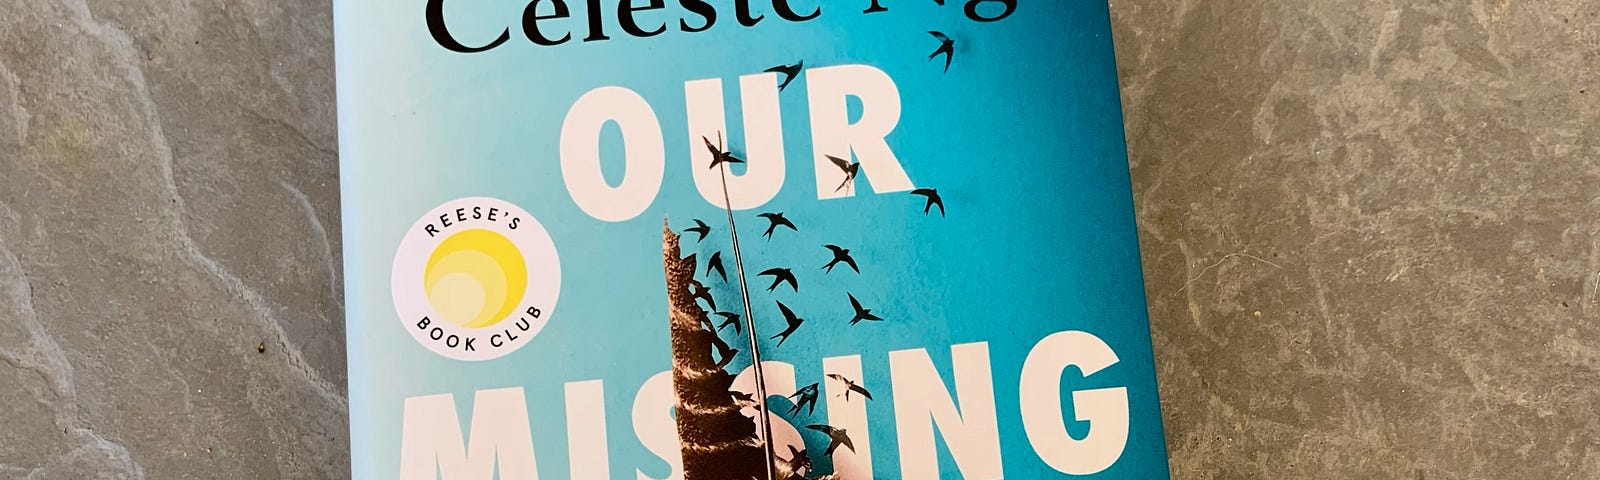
<point>321,232</point>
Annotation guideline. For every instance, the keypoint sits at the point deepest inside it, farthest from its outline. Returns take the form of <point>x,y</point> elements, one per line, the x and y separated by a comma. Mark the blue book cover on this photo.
<point>740,239</point>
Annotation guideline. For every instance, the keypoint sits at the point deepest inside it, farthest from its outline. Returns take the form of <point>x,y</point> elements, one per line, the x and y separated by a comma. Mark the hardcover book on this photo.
<point>740,239</point>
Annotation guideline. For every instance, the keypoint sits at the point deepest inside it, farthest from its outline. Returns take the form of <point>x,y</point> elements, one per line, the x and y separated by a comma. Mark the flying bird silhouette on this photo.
<point>861,313</point>
<point>729,318</point>
<point>794,323</point>
<point>780,275</point>
<point>788,71</point>
<point>719,157</point>
<point>700,228</point>
<point>700,291</point>
<point>840,254</point>
<point>807,400</point>
<point>715,263</point>
<point>798,462</point>
<point>850,170</point>
<point>851,386</point>
<point>775,220</point>
<point>836,437</point>
<point>704,321</point>
<point>933,199</point>
<point>947,47</point>
<point>724,352</point>
<point>744,399</point>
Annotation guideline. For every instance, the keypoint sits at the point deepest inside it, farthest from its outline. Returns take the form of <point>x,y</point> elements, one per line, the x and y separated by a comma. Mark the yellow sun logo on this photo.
<point>474,278</point>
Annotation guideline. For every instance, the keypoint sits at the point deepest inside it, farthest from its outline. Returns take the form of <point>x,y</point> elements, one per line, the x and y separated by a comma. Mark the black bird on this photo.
<point>742,398</point>
<point>836,437</point>
<point>704,321</point>
<point>851,386</point>
<point>776,219</point>
<point>780,275</point>
<point>700,291</point>
<point>850,170</point>
<point>729,318</point>
<point>724,352</point>
<point>798,461</point>
<point>700,228</point>
<point>715,263</point>
<point>719,157</point>
<point>794,323</point>
<point>807,400</point>
<point>946,47</point>
<point>861,313</point>
<point>788,71</point>
<point>933,199</point>
<point>840,254</point>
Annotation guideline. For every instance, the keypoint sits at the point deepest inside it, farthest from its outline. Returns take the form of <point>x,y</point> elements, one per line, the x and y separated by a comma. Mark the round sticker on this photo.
<point>475,278</point>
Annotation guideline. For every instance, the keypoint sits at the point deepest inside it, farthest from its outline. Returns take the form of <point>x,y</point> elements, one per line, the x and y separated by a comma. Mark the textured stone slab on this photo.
<point>1370,234</point>
<point>169,204</point>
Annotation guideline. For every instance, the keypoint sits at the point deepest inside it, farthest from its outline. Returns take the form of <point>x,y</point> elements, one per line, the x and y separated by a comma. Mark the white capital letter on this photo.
<point>644,154</point>
<point>431,443</point>
<point>586,431</point>
<point>1106,409</point>
<point>827,92</point>
<point>849,414</point>
<point>763,140</point>
<point>653,424</point>
<point>973,432</point>
<point>779,379</point>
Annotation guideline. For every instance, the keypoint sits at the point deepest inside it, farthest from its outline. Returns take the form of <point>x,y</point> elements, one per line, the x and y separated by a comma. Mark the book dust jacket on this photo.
<point>740,239</point>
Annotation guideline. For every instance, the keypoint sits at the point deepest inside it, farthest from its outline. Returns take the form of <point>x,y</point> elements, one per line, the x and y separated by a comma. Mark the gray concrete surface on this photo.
<point>1371,233</point>
<point>169,202</point>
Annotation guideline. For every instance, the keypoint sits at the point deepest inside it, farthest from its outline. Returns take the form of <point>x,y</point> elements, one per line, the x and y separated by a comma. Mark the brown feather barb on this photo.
<point>718,441</point>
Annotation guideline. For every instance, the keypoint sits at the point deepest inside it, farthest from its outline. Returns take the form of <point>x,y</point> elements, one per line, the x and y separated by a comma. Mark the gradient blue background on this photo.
<point>1023,138</point>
